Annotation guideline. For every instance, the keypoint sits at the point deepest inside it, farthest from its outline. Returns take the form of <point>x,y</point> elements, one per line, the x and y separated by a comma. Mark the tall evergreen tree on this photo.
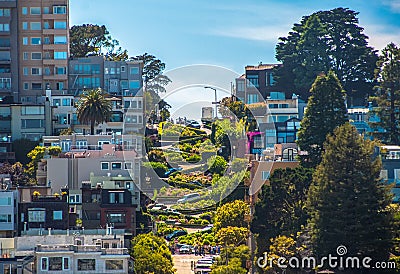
<point>325,111</point>
<point>347,202</point>
<point>280,208</point>
<point>323,41</point>
<point>387,96</point>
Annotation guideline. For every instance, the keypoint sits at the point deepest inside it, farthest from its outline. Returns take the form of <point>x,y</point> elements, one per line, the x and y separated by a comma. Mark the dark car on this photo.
<point>175,234</point>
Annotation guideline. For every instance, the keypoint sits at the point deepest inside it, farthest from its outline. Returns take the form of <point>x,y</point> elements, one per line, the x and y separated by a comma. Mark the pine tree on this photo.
<point>347,202</point>
<point>325,111</point>
<point>387,97</point>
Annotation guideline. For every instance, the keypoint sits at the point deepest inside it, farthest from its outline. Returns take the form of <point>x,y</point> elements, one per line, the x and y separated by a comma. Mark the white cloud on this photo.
<point>263,33</point>
<point>381,35</point>
<point>393,4</point>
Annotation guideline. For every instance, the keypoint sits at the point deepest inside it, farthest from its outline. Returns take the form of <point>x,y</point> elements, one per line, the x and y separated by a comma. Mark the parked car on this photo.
<point>193,124</point>
<point>175,234</point>
<point>172,170</point>
<point>157,206</point>
<point>189,198</point>
<point>186,249</point>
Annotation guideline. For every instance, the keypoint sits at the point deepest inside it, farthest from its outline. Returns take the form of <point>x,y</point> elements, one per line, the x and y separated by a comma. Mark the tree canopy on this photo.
<point>94,40</point>
<point>325,111</point>
<point>151,255</point>
<point>387,97</point>
<point>93,107</point>
<point>347,202</point>
<point>231,214</point>
<point>323,41</point>
<point>280,207</point>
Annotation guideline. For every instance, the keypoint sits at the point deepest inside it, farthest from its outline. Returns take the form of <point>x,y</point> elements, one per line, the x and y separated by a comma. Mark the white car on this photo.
<point>189,197</point>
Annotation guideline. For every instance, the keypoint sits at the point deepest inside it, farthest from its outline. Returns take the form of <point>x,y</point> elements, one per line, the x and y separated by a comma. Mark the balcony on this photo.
<point>50,61</point>
<point>54,16</point>
<point>59,77</point>
<point>82,249</point>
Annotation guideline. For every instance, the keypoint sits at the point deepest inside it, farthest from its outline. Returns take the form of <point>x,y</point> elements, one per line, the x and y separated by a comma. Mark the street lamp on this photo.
<point>215,100</point>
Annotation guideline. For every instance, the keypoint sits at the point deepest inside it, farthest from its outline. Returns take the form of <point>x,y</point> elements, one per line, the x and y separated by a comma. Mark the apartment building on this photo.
<point>8,51</point>
<point>43,31</point>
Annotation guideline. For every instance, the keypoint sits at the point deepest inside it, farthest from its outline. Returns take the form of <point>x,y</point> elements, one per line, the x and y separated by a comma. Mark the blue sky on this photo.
<point>226,33</point>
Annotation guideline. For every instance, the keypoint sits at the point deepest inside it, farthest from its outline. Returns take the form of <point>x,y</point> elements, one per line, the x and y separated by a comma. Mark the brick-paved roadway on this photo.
<point>182,263</point>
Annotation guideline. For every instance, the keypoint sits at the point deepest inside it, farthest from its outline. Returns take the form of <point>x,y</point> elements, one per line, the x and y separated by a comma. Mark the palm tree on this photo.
<point>93,107</point>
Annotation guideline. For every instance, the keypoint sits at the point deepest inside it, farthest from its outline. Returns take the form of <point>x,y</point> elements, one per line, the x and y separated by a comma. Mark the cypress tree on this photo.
<point>325,111</point>
<point>347,201</point>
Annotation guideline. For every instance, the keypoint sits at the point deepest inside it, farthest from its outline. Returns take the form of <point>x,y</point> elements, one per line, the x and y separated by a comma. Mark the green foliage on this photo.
<point>280,208</point>
<point>158,167</point>
<point>156,155</point>
<point>197,238</point>
<point>21,147</point>
<point>233,267</point>
<point>93,107</point>
<point>217,164</point>
<point>347,201</point>
<point>66,131</point>
<point>151,255</point>
<point>88,40</point>
<point>231,214</point>
<point>387,96</point>
<point>232,235</point>
<point>239,254</point>
<point>325,111</point>
<point>35,155</point>
<point>54,150</point>
<point>324,41</point>
<point>17,172</point>
<point>193,158</point>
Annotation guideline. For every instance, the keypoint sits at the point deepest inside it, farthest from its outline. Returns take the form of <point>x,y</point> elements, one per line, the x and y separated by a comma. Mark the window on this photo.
<point>4,27</point>
<point>134,70</point>
<point>57,215</point>
<point>112,70</point>
<point>5,218</point>
<point>45,263</point>
<point>60,25</point>
<point>25,55</point>
<point>105,166</point>
<point>5,83</point>
<point>60,39</point>
<point>5,12</point>
<point>35,10</point>
<point>59,9</point>
<point>26,85</point>
<point>25,70</point>
<point>86,264</point>
<point>258,141</point>
<point>32,110</point>
<point>46,41</point>
<point>122,68</point>
<point>36,71</point>
<point>116,166</point>
<point>114,264</point>
<point>36,56</point>
<point>46,10</point>
<point>74,199</point>
<point>36,26</point>
<point>65,263</point>
<point>46,25</point>
<point>60,85</point>
<point>252,98</point>
<point>134,84</point>
<point>36,40</point>
<point>24,10</point>
<point>240,86</point>
<point>4,201</point>
<point>60,55</point>
<point>265,175</point>
<point>128,165</point>
<point>32,123</point>
<point>116,217</point>
<point>116,197</point>
<point>36,86</point>
<point>55,263</point>
<point>124,84</point>
<point>61,70</point>
<point>24,25</point>
<point>252,81</point>
<point>56,102</point>
<point>36,215</point>
<point>66,102</point>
